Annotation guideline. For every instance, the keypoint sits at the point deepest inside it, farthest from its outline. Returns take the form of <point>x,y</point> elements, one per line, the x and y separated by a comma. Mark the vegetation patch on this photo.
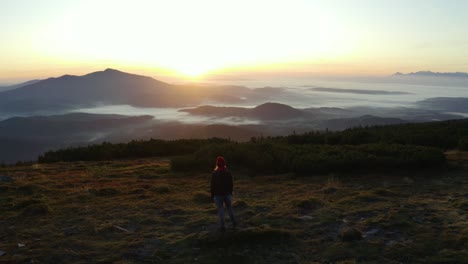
<point>161,189</point>
<point>308,205</point>
<point>104,192</point>
<point>202,197</point>
<point>73,213</point>
<point>360,251</point>
<point>26,190</point>
<point>251,236</point>
<point>398,147</point>
<point>36,209</point>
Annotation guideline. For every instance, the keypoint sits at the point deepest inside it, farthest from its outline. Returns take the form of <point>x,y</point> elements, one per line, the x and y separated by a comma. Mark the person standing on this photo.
<point>221,192</point>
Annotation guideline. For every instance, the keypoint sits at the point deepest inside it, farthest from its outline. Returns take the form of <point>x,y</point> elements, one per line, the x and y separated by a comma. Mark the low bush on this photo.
<point>463,143</point>
<point>282,158</point>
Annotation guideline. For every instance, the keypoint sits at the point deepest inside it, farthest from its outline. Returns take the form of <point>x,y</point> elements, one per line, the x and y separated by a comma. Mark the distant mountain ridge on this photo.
<point>112,87</point>
<point>433,74</point>
<point>447,104</point>
<point>68,91</point>
<point>267,111</point>
<point>19,85</point>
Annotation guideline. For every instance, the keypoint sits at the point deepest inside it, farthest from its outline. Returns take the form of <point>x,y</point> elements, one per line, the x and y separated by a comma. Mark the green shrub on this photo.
<point>463,143</point>
<point>281,158</point>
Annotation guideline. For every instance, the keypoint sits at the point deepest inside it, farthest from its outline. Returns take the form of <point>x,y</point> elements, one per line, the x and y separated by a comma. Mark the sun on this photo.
<point>197,40</point>
<point>195,63</point>
<point>192,70</point>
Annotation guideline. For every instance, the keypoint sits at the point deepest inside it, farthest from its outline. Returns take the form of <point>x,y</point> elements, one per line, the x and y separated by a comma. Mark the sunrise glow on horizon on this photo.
<point>199,38</point>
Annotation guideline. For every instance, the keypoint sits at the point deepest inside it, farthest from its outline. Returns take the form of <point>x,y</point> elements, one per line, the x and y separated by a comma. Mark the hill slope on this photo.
<point>139,211</point>
<point>267,111</point>
<point>67,92</point>
<point>16,86</point>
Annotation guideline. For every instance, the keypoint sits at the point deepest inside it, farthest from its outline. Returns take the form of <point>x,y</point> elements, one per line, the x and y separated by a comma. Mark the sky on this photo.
<point>198,39</point>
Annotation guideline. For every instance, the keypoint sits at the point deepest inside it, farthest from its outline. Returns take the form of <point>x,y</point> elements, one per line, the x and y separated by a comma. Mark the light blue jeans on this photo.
<point>220,201</point>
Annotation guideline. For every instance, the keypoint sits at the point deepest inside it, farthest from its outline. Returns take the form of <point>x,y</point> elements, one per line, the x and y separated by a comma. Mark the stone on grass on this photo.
<point>6,179</point>
<point>348,234</point>
<point>20,245</point>
<point>371,232</point>
<point>2,253</point>
<point>70,231</point>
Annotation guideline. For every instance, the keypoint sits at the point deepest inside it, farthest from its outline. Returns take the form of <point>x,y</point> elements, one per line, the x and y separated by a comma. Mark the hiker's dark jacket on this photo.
<point>221,183</point>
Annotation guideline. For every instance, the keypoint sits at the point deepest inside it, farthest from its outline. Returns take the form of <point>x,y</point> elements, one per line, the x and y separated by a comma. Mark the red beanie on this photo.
<point>220,163</point>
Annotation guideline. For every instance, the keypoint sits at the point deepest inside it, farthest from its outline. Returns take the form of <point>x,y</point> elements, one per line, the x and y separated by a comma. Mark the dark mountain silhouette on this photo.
<point>109,87</point>
<point>433,74</point>
<point>14,149</point>
<point>23,138</point>
<point>218,111</point>
<point>428,110</point>
<point>67,92</point>
<point>267,111</point>
<point>76,126</point>
<point>19,85</point>
<point>447,104</point>
<point>276,111</point>
<point>328,110</point>
<point>113,87</point>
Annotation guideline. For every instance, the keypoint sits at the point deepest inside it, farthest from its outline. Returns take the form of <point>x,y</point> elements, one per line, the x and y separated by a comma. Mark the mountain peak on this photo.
<point>274,105</point>
<point>113,73</point>
<point>112,70</point>
<point>276,111</point>
<point>109,87</point>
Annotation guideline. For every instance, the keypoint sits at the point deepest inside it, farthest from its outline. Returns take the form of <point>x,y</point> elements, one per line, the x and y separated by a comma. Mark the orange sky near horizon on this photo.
<point>195,40</point>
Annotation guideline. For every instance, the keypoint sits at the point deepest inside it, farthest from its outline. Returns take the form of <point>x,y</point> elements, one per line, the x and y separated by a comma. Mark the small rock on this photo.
<point>6,179</point>
<point>306,217</point>
<point>2,253</point>
<point>20,245</point>
<point>69,231</point>
<point>408,180</point>
<point>371,232</point>
<point>330,190</point>
<point>350,234</point>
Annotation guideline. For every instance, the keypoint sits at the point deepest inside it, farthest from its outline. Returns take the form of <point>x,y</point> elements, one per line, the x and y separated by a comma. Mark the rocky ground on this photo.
<point>139,211</point>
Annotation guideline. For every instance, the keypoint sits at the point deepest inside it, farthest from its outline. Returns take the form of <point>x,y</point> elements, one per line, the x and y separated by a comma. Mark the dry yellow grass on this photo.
<point>138,211</point>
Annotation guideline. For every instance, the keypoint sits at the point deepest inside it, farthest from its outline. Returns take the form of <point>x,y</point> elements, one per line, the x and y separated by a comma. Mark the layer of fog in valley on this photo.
<point>399,93</point>
<point>115,106</point>
<point>371,98</point>
<point>163,114</point>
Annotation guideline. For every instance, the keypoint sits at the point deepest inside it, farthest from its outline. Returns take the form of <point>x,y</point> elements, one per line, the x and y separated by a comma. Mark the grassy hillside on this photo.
<point>140,211</point>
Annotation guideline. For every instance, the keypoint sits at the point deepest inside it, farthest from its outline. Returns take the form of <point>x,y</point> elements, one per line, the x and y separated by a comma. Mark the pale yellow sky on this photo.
<point>200,38</point>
